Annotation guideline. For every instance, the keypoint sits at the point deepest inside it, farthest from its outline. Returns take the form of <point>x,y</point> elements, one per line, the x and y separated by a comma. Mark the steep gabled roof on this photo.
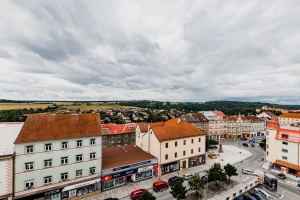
<point>43,127</point>
<point>175,129</point>
<point>200,117</point>
<point>144,126</point>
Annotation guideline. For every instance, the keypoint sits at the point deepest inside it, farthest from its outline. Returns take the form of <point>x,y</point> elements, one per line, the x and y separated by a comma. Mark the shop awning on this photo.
<point>287,165</point>
<point>71,187</point>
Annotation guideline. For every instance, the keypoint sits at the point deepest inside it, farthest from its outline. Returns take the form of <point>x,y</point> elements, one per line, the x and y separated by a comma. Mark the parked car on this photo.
<point>258,138</point>
<point>206,178</point>
<point>263,193</point>
<point>245,144</point>
<point>175,179</point>
<point>247,197</point>
<point>160,185</point>
<point>244,138</point>
<point>187,176</point>
<point>137,193</point>
<point>248,171</point>
<point>257,195</point>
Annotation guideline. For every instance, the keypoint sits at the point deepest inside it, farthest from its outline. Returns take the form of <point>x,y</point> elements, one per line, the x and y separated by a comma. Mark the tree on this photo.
<point>178,191</point>
<point>216,173</point>
<point>230,170</point>
<point>147,196</point>
<point>196,183</point>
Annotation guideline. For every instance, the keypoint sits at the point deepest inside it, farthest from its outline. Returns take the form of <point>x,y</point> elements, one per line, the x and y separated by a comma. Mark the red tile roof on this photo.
<point>42,127</point>
<point>216,112</point>
<point>251,118</point>
<point>144,126</point>
<point>273,124</point>
<point>293,135</point>
<point>174,130</point>
<point>118,128</point>
<point>116,157</point>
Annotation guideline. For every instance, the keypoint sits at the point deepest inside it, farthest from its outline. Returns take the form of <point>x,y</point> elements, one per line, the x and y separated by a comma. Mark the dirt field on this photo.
<point>9,106</point>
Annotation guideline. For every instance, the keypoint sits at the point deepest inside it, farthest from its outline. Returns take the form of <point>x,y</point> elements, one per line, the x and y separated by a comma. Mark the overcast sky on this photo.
<point>155,50</point>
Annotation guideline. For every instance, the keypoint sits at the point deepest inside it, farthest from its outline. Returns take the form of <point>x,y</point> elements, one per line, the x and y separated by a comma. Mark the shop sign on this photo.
<point>106,178</point>
<point>142,169</point>
<point>155,165</point>
<point>116,175</point>
<point>132,165</point>
<point>129,172</point>
<point>52,192</point>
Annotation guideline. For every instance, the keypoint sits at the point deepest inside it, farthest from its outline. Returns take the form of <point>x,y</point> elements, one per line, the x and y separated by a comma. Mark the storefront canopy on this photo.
<point>71,187</point>
<point>287,165</point>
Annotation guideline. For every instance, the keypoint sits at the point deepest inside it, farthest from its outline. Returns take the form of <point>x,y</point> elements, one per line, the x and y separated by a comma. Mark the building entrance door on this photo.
<point>184,164</point>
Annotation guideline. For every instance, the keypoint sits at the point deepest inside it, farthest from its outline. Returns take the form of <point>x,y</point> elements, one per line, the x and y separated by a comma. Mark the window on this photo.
<point>184,153</point>
<point>183,142</point>
<point>166,156</point>
<point>199,139</point>
<point>48,163</point>
<point>192,141</point>
<point>64,145</point>
<point>48,147</point>
<point>126,135</point>
<point>192,151</point>
<point>64,160</point>
<point>199,149</point>
<point>104,139</point>
<point>175,154</point>
<point>132,137</point>
<point>104,145</point>
<point>79,172</point>
<point>64,176</point>
<point>166,145</point>
<point>29,184</point>
<point>79,143</point>
<point>125,140</point>
<point>29,149</point>
<point>267,146</point>
<point>118,141</point>
<point>92,142</point>
<point>284,135</point>
<point>78,158</point>
<point>92,156</point>
<point>176,144</point>
<point>285,143</point>
<point>118,136</point>
<point>92,170</point>
<point>132,142</point>
<point>112,142</point>
<point>284,158</point>
<point>48,180</point>
<point>284,150</point>
<point>29,166</point>
<point>267,153</point>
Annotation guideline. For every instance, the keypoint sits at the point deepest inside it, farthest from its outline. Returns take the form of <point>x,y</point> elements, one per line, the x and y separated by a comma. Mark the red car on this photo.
<point>137,193</point>
<point>160,185</point>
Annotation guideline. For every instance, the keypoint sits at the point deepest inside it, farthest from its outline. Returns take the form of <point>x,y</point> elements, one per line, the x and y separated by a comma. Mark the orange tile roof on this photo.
<point>273,124</point>
<point>118,128</point>
<point>172,130</point>
<point>216,112</point>
<point>42,127</point>
<point>288,165</point>
<point>290,115</point>
<point>293,135</point>
<point>251,118</point>
<point>144,126</point>
<point>116,157</point>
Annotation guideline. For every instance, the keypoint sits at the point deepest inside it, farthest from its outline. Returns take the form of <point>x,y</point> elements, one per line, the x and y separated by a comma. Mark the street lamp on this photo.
<point>222,163</point>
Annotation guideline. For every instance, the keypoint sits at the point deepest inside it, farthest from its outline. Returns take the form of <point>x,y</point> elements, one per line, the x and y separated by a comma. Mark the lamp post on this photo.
<point>222,163</point>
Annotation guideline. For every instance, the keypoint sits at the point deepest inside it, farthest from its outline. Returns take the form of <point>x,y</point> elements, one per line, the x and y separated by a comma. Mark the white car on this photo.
<point>248,171</point>
<point>187,176</point>
<point>258,138</point>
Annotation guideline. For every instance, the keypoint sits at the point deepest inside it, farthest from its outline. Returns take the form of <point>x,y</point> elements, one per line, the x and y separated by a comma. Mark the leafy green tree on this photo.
<point>216,173</point>
<point>178,191</point>
<point>147,196</point>
<point>196,184</point>
<point>230,170</point>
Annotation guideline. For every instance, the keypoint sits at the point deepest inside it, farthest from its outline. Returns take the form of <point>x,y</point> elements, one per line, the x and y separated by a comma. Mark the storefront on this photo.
<point>170,167</point>
<point>197,160</point>
<point>119,176</point>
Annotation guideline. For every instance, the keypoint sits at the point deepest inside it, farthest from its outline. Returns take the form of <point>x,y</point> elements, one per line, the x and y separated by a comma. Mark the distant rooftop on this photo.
<point>9,131</point>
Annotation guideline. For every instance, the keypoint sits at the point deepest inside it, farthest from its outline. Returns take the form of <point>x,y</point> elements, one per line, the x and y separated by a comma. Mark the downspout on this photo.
<point>149,140</point>
<point>13,177</point>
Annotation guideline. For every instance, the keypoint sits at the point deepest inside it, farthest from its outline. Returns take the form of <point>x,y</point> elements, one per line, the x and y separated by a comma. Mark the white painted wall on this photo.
<point>6,176</point>
<point>55,171</point>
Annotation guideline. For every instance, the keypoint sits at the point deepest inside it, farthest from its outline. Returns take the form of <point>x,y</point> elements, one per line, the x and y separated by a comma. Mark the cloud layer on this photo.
<point>158,50</point>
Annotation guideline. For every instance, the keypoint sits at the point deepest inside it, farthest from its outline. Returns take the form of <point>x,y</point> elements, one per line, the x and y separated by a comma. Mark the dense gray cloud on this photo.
<point>158,50</point>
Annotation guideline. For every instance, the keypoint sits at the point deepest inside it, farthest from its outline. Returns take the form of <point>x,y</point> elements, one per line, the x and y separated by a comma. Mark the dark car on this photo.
<point>247,197</point>
<point>175,179</point>
<point>206,178</point>
<point>244,138</point>
<point>256,195</point>
<point>137,193</point>
<point>245,144</point>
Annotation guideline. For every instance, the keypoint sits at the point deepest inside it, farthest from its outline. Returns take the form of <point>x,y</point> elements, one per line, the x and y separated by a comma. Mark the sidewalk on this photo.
<point>230,155</point>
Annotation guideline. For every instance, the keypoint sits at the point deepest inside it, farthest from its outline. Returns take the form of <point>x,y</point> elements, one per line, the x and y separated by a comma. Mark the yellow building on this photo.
<point>289,118</point>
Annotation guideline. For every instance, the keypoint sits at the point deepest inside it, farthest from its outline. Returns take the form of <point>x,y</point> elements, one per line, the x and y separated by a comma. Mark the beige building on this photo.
<point>240,126</point>
<point>8,133</point>
<point>289,118</point>
<point>198,120</point>
<point>217,125</point>
<point>283,146</point>
<point>176,143</point>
